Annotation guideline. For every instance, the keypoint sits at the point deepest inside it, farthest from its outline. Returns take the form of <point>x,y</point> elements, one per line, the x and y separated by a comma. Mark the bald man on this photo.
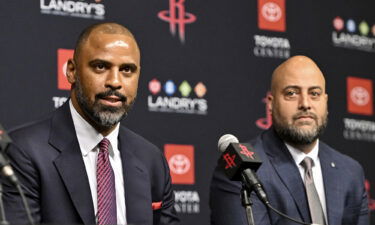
<point>302,176</point>
<point>79,165</point>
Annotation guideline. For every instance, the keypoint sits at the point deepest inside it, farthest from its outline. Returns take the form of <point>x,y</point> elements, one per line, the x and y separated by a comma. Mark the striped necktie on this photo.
<point>105,187</point>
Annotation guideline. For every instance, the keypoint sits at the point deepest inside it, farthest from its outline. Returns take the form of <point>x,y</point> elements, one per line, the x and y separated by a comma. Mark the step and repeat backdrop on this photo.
<point>206,68</point>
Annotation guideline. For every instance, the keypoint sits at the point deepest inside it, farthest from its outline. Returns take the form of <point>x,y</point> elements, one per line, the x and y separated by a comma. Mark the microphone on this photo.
<point>239,162</point>
<point>5,169</point>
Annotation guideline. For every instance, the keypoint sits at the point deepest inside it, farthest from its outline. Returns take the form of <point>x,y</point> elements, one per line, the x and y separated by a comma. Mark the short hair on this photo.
<point>106,28</point>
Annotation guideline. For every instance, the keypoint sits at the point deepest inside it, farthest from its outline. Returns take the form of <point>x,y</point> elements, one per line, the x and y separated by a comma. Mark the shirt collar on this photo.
<point>88,137</point>
<point>298,155</point>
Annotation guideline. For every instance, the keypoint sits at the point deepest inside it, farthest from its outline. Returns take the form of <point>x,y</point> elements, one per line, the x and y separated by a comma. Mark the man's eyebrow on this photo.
<point>292,87</point>
<point>94,61</point>
<point>315,87</point>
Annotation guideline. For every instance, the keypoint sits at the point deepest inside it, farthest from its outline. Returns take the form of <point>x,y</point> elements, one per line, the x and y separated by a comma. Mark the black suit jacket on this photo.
<point>343,179</point>
<point>48,161</point>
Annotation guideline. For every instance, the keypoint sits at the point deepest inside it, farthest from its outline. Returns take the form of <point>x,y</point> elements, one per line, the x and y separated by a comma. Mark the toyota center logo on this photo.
<point>360,96</point>
<point>180,160</point>
<point>179,164</point>
<point>271,12</point>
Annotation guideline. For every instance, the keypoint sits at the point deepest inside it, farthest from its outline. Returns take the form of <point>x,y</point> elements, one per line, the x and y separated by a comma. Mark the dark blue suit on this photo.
<point>343,178</point>
<point>48,161</point>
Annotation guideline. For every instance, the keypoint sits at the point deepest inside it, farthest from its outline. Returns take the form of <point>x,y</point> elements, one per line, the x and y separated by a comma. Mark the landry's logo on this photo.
<point>181,163</point>
<point>173,98</point>
<point>63,55</point>
<point>359,96</point>
<point>177,18</point>
<point>271,15</point>
<point>353,34</point>
<point>75,8</point>
<point>265,122</point>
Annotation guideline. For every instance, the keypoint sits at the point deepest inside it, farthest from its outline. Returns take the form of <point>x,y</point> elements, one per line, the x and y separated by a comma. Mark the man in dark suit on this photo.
<point>328,191</point>
<point>79,165</point>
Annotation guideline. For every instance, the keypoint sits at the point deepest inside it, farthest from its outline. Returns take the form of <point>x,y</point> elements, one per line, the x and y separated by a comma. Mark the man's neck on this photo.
<point>102,130</point>
<point>305,148</point>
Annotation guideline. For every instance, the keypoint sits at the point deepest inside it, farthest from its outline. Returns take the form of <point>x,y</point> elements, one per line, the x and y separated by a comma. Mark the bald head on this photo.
<point>100,28</point>
<point>299,66</point>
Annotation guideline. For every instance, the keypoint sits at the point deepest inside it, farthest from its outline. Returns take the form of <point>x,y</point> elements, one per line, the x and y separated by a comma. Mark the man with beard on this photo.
<point>79,165</point>
<point>302,176</point>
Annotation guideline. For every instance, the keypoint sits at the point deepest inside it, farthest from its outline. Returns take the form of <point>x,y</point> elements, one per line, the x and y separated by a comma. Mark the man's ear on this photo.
<point>71,71</point>
<point>269,102</point>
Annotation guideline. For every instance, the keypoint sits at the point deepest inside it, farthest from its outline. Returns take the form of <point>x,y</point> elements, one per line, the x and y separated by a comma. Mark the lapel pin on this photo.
<point>333,164</point>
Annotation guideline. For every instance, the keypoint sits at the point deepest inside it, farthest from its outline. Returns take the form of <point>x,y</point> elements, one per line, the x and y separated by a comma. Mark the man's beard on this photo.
<point>295,135</point>
<point>102,115</point>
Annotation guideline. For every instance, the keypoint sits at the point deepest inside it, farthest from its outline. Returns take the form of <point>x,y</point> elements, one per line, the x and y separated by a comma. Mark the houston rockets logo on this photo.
<point>246,152</point>
<point>371,202</point>
<point>266,122</point>
<point>229,160</point>
<point>177,16</point>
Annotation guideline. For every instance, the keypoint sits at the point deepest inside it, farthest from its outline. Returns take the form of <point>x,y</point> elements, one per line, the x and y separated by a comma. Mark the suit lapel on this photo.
<point>70,164</point>
<point>136,182</point>
<point>287,171</point>
<point>332,179</point>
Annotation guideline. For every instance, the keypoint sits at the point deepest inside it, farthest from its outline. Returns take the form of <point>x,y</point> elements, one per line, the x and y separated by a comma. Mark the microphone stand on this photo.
<point>247,203</point>
<point>3,220</point>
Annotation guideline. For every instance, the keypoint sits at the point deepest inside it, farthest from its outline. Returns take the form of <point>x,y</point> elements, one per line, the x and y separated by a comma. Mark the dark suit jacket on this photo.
<point>343,178</point>
<point>48,162</point>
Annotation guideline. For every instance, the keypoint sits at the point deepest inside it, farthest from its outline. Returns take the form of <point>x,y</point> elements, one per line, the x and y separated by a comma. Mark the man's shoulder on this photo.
<point>142,144</point>
<point>339,158</point>
<point>31,129</point>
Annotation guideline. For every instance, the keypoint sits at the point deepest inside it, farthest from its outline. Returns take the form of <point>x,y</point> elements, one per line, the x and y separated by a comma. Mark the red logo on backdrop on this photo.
<point>229,160</point>
<point>371,202</point>
<point>177,17</point>
<point>154,86</point>
<point>359,96</point>
<point>246,152</point>
<point>181,163</point>
<point>266,122</point>
<point>62,58</point>
<point>271,15</point>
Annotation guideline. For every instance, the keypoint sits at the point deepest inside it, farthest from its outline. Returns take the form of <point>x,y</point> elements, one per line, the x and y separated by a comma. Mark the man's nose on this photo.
<point>113,80</point>
<point>304,102</point>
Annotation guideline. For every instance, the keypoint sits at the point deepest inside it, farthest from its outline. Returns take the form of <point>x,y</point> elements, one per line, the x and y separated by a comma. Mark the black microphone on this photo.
<point>239,162</point>
<point>5,169</point>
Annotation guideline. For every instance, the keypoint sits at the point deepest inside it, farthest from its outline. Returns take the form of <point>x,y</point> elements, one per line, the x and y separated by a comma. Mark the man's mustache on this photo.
<point>304,114</point>
<point>111,93</point>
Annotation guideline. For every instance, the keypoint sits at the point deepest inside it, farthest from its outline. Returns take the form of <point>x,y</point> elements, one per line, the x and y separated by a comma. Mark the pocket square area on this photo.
<point>156,205</point>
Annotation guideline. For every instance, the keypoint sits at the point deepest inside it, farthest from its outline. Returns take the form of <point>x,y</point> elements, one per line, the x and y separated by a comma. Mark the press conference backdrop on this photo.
<point>206,67</point>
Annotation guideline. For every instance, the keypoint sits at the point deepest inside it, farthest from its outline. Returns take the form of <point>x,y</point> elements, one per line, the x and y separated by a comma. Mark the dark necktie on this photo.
<point>105,187</point>
<point>315,206</point>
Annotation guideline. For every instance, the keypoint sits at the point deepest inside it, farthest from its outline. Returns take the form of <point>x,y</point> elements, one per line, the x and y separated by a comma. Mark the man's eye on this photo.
<point>100,66</point>
<point>128,69</point>
<point>290,93</point>
<point>315,93</point>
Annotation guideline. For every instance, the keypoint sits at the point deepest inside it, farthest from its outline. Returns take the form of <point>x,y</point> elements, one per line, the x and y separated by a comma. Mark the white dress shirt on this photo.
<point>88,139</point>
<point>298,156</point>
